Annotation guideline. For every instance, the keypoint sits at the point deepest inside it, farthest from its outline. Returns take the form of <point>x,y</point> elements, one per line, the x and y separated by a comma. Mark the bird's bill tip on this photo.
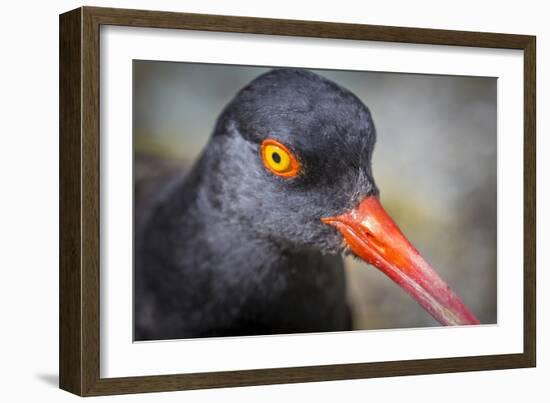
<point>372,235</point>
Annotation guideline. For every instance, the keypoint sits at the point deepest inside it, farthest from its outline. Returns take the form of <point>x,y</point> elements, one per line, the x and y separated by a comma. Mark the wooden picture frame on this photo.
<point>80,199</point>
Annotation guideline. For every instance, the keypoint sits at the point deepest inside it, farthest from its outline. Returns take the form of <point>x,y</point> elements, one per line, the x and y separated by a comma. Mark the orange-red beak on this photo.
<point>373,236</point>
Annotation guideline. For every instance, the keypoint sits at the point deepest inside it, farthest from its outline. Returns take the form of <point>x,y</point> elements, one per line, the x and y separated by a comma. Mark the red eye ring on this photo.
<point>279,160</point>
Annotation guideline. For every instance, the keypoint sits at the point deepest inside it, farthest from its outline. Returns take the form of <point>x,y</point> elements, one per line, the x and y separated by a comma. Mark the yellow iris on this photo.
<point>279,159</point>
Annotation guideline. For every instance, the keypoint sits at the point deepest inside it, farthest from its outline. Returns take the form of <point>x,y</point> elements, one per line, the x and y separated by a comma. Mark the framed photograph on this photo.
<point>249,201</point>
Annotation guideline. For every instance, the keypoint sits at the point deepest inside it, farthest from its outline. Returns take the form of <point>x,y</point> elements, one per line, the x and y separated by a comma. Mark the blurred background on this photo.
<point>435,163</point>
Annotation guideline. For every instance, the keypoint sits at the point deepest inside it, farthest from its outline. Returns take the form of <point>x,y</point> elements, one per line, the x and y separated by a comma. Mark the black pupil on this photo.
<point>276,157</point>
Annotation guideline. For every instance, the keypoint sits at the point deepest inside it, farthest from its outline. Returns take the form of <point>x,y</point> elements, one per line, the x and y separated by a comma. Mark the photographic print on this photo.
<point>251,201</point>
<point>281,200</point>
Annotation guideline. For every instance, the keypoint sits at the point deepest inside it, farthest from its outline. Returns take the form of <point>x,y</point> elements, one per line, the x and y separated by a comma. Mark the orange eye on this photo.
<point>279,159</point>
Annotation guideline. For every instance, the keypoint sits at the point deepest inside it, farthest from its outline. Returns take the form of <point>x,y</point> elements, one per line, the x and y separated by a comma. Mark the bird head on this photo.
<point>291,161</point>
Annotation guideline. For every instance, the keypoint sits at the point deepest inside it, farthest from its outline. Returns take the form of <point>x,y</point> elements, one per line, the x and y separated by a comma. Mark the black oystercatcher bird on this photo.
<point>249,242</point>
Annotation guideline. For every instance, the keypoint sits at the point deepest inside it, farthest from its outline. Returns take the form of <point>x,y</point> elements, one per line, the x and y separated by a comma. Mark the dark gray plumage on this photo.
<point>231,249</point>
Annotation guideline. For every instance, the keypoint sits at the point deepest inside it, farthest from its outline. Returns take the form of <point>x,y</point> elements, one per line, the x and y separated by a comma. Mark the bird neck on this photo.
<point>193,217</point>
